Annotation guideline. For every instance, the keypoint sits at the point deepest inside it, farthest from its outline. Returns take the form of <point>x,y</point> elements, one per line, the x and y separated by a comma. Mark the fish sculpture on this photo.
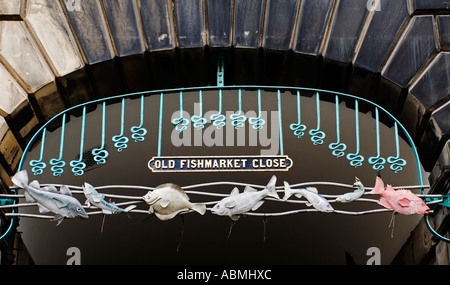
<point>311,194</point>
<point>167,200</point>
<point>401,201</point>
<point>98,200</point>
<point>239,203</point>
<point>61,203</point>
<point>352,196</point>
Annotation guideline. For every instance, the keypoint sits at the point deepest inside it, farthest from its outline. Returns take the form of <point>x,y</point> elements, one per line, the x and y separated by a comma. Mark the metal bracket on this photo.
<point>220,72</point>
<point>4,202</point>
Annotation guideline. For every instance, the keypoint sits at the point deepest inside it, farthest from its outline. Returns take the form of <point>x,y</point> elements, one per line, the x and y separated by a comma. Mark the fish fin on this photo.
<point>308,204</point>
<point>151,210</point>
<point>50,188</point>
<point>383,202</point>
<point>287,191</point>
<point>235,217</point>
<point>257,205</point>
<point>58,219</point>
<point>42,209</point>
<point>164,203</point>
<point>235,191</point>
<point>29,198</point>
<point>312,189</point>
<point>97,199</point>
<point>379,186</point>
<point>199,208</point>
<point>271,187</point>
<point>87,203</point>
<point>129,208</point>
<point>405,202</point>
<point>249,189</point>
<point>173,186</point>
<point>35,184</point>
<point>20,179</point>
<point>65,190</point>
<point>230,204</point>
<point>167,217</point>
<point>107,212</point>
<point>59,203</point>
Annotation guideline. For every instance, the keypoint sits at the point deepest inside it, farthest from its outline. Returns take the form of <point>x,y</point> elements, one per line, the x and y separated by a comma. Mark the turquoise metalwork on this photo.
<point>101,154</point>
<point>38,166</point>
<point>355,158</point>
<point>316,134</point>
<point>218,119</point>
<point>121,141</point>
<point>338,148</point>
<point>139,132</point>
<point>78,166</point>
<point>198,121</point>
<point>257,123</point>
<point>181,123</point>
<point>377,161</point>
<point>298,128</point>
<point>57,163</point>
<point>238,119</point>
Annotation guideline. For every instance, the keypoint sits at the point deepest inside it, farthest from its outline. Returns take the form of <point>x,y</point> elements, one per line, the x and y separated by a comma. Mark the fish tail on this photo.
<point>199,208</point>
<point>287,191</point>
<point>20,179</point>
<point>129,208</point>
<point>379,186</point>
<point>271,187</point>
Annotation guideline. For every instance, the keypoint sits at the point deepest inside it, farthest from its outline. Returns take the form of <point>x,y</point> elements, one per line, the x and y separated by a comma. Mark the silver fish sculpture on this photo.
<point>352,196</point>
<point>310,193</point>
<point>241,203</point>
<point>98,200</point>
<point>168,200</point>
<point>61,203</point>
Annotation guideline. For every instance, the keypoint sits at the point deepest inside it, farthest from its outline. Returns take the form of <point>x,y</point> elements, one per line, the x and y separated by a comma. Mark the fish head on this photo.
<point>151,198</point>
<point>76,210</point>
<point>358,184</point>
<point>88,188</point>
<point>218,209</point>
<point>422,208</point>
<point>328,208</point>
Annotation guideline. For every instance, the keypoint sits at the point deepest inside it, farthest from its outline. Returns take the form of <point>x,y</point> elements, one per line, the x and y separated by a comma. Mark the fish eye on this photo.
<point>78,209</point>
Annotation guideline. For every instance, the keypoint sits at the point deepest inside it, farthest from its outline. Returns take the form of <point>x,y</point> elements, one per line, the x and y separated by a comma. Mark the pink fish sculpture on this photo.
<point>402,201</point>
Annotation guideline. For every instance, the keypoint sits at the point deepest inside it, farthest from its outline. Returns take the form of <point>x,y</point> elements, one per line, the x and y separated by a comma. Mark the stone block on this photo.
<point>279,24</point>
<point>305,70</point>
<point>248,23</point>
<point>89,25</point>
<point>418,5</point>
<point>247,67</point>
<point>346,27</point>
<point>76,88</point>
<point>158,26</point>
<point>107,79</point>
<point>220,15</point>
<point>22,57</point>
<point>23,122</point>
<point>10,150</point>
<point>125,27</point>
<point>12,93</point>
<point>435,136</point>
<point>11,9</point>
<point>135,72</point>
<point>335,75</point>
<point>432,88</point>
<point>47,22</point>
<point>190,23</point>
<point>413,51</point>
<point>164,69</point>
<point>312,24</point>
<point>382,32</point>
<point>48,101</point>
<point>439,177</point>
<point>443,22</point>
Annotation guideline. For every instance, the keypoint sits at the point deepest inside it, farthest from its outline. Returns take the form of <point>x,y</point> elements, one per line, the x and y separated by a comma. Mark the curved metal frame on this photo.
<point>220,88</point>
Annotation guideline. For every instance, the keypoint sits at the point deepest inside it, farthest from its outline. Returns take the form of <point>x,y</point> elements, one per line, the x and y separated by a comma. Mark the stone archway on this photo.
<point>57,54</point>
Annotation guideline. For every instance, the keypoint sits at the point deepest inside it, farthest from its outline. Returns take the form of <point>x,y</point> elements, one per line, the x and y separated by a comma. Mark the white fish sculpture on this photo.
<point>249,200</point>
<point>352,196</point>
<point>167,200</point>
<point>98,200</point>
<point>310,193</point>
<point>61,203</point>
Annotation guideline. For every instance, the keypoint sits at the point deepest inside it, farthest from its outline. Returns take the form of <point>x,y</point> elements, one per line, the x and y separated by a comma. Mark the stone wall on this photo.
<point>57,54</point>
